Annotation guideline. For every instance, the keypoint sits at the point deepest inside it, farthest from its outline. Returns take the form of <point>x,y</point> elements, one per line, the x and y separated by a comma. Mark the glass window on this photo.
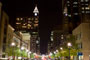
<point>75,2</point>
<point>86,0</point>
<point>82,0</point>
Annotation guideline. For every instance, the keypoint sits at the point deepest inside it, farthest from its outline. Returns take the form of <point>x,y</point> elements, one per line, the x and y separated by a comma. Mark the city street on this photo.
<point>44,29</point>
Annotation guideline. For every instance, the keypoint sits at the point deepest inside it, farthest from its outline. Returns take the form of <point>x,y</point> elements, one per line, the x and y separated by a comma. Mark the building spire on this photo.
<point>36,11</point>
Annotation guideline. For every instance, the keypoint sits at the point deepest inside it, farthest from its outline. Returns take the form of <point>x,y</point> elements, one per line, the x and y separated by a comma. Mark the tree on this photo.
<point>73,49</point>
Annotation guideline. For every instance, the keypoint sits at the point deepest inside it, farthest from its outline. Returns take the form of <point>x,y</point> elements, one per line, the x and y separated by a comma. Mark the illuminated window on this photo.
<point>21,18</point>
<point>75,2</point>
<point>86,0</point>
<point>36,21</point>
<point>82,0</point>
<point>51,38</point>
<point>87,8</point>
<point>82,8</point>
<point>17,18</point>
<point>29,25</point>
<point>69,15</point>
<point>68,5</point>
<point>18,23</point>
<point>24,24</point>
<point>24,27</point>
<point>29,18</point>
<point>75,13</point>
<point>75,6</point>
<point>86,4</point>
<point>35,25</point>
<point>68,2</point>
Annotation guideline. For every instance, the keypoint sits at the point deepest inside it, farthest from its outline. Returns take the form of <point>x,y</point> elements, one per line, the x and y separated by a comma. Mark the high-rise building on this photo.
<point>82,33</point>
<point>3,29</point>
<point>30,25</point>
<point>57,40</point>
<point>76,12</point>
<point>27,23</point>
<point>84,10</point>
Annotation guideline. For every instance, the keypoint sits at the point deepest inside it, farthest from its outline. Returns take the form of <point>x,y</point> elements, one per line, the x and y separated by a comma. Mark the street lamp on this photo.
<point>54,52</point>
<point>27,52</point>
<point>57,51</point>
<point>61,48</point>
<point>61,53</point>
<point>22,48</point>
<point>69,45</point>
<point>12,44</point>
<point>30,54</point>
<point>50,54</point>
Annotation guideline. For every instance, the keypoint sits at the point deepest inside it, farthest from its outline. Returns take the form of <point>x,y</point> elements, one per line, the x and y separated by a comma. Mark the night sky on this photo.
<point>49,17</point>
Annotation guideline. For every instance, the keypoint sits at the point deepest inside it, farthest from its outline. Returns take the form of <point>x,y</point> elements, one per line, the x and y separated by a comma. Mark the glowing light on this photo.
<point>69,44</point>
<point>36,10</point>
<point>56,50</point>
<point>27,50</point>
<point>61,48</point>
<point>35,14</point>
<point>50,54</point>
<point>30,52</point>
<point>13,44</point>
<point>22,48</point>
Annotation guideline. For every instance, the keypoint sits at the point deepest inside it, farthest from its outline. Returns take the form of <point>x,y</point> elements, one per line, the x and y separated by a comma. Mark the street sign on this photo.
<point>80,54</point>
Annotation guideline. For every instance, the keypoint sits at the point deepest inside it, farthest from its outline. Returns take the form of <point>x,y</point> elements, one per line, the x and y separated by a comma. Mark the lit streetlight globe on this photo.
<point>56,50</point>
<point>13,44</point>
<point>69,44</point>
<point>61,48</point>
<point>22,48</point>
<point>27,50</point>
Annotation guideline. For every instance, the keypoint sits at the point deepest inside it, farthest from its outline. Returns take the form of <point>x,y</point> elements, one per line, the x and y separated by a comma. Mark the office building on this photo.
<point>82,34</point>
<point>74,13</point>
<point>30,25</point>
<point>3,29</point>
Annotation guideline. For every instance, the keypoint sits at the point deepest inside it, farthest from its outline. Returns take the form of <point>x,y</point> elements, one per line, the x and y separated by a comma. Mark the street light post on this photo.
<point>22,48</point>
<point>61,53</point>
<point>12,44</point>
<point>30,54</point>
<point>27,53</point>
<point>69,45</point>
<point>69,53</point>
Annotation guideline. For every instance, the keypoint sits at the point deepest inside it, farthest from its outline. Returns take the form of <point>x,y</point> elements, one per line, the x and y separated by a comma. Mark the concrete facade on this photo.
<point>3,31</point>
<point>82,33</point>
<point>0,29</point>
<point>10,33</point>
<point>3,28</point>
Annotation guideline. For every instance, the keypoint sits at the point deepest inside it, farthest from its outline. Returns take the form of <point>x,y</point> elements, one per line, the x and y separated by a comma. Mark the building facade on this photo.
<point>57,40</point>
<point>74,13</point>
<point>82,33</point>
<point>27,23</point>
<point>30,25</point>
<point>3,31</point>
